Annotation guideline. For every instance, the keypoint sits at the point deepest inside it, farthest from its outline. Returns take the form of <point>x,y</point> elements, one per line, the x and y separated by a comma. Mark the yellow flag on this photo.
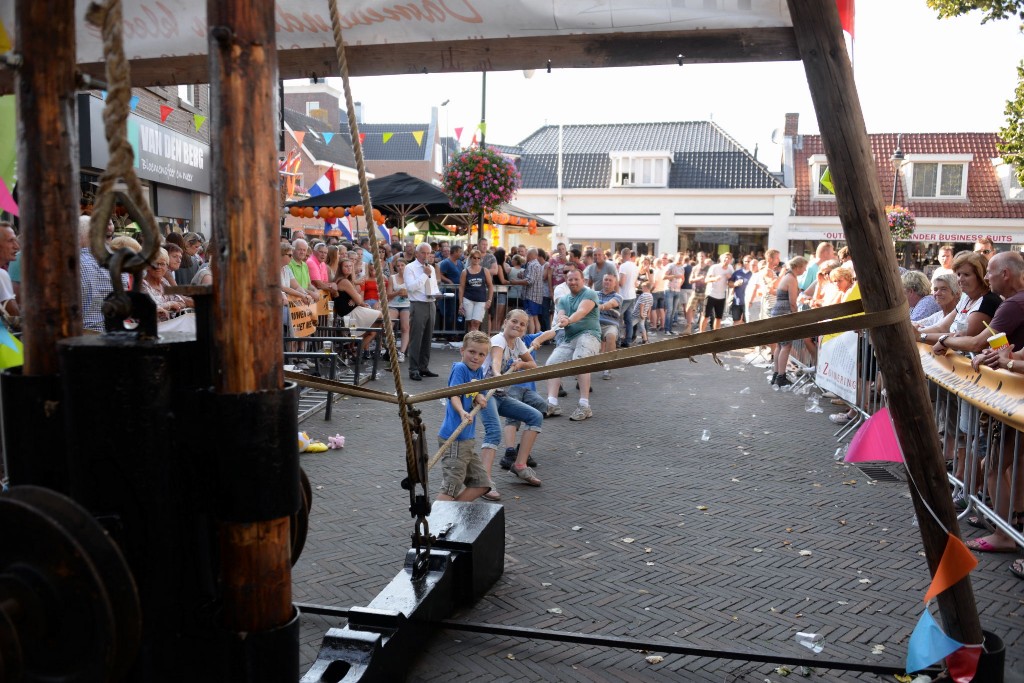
<point>418,134</point>
<point>826,180</point>
<point>5,40</point>
<point>386,137</point>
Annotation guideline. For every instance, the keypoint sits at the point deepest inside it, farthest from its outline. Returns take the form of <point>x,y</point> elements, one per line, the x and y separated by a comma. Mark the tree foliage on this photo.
<point>1011,147</point>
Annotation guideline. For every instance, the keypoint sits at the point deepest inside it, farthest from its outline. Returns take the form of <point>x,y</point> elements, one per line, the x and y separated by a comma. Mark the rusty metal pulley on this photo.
<point>69,608</point>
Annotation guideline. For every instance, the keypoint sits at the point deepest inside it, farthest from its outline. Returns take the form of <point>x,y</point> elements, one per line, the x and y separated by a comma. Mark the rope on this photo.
<point>107,17</point>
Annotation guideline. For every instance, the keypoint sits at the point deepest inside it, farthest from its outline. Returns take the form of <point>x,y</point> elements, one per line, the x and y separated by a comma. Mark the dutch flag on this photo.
<point>385,232</point>
<point>327,183</point>
<point>342,225</point>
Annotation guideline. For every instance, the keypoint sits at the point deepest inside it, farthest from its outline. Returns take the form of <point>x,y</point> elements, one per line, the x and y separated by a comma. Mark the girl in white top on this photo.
<point>398,303</point>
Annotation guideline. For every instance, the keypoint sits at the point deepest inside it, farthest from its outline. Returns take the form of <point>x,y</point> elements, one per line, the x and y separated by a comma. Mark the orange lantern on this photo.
<point>494,216</point>
<point>533,224</point>
<point>503,219</point>
<point>532,230</point>
<point>295,211</point>
<point>308,212</point>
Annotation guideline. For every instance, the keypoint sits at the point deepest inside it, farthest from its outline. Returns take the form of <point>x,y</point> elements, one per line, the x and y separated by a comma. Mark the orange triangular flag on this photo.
<point>956,563</point>
<point>299,136</point>
<point>386,137</point>
<point>165,111</point>
<point>418,134</point>
<point>362,138</point>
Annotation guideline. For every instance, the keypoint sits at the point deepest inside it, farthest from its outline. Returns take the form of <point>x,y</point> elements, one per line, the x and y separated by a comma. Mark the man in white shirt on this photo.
<point>420,281</point>
<point>628,273</point>
<point>717,281</point>
<point>9,249</point>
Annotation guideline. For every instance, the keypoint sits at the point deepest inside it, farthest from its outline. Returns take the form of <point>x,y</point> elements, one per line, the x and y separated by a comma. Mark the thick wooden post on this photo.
<point>48,189</point>
<point>255,557</point>
<point>862,212</point>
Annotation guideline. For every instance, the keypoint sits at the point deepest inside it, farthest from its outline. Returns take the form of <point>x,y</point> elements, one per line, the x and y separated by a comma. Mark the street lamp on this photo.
<point>444,139</point>
<point>897,159</point>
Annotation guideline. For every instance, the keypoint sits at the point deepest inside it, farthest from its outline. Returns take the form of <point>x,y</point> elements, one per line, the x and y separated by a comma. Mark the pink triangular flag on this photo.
<point>458,133</point>
<point>875,440</point>
<point>165,111</point>
<point>7,202</point>
<point>299,136</point>
<point>956,563</point>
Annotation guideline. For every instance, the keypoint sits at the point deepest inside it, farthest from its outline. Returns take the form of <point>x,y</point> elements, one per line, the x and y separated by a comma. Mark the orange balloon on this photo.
<point>357,210</point>
<point>377,216</point>
<point>494,216</point>
<point>308,212</point>
<point>295,211</point>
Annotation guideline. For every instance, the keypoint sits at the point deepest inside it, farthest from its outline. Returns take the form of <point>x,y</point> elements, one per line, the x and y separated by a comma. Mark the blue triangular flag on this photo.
<point>103,95</point>
<point>928,644</point>
<point>133,102</point>
<point>327,137</point>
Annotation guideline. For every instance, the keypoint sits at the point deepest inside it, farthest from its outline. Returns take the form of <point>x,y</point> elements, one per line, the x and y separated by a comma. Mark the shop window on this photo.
<point>938,177</point>
<point>640,170</point>
<point>817,165</point>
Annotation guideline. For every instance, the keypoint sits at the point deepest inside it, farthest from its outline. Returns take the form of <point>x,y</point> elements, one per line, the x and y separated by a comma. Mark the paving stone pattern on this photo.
<point>682,540</point>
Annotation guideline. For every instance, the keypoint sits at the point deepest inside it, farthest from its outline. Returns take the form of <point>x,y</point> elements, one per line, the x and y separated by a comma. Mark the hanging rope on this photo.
<point>107,17</point>
<point>413,433</point>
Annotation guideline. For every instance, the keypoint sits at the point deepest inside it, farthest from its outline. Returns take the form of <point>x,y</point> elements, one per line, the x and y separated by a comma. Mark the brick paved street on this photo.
<point>731,576</point>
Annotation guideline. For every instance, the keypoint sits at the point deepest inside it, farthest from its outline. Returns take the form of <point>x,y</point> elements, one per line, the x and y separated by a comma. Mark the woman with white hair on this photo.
<point>918,290</point>
<point>946,292</point>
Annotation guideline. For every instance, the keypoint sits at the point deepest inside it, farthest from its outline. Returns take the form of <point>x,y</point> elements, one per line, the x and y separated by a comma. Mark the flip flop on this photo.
<point>982,545</point>
<point>492,495</point>
<point>1017,567</point>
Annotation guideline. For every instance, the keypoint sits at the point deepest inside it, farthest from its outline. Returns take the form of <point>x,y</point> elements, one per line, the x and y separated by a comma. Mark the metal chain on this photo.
<point>107,17</point>
<point>414,448</point>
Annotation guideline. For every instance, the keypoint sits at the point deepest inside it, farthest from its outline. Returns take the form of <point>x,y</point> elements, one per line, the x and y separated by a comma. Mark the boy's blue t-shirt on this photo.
<point>460,374</point>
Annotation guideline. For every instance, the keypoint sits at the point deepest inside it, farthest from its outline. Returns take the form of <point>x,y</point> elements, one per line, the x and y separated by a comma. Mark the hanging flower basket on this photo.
<point>901,222</point>
<point>478,180</point>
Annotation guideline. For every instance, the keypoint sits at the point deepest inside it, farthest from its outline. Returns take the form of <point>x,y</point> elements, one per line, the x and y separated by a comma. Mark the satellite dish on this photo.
<point>775,136</point>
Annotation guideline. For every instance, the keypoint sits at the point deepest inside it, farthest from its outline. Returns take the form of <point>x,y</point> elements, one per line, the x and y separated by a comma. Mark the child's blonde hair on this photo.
<point>476,337</point>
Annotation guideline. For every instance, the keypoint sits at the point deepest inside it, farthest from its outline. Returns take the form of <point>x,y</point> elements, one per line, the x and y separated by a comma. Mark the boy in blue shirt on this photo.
<point>464,477</point>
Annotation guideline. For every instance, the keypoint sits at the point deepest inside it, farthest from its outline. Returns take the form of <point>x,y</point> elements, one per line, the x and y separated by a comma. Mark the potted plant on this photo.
<point>478,180</point>
<point>901,222</point>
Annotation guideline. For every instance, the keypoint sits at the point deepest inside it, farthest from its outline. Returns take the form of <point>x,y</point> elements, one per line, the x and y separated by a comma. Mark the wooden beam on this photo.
<point>248,347</point>
<point>48,190</point>
<point>503,54</point>
<point>862,212</point>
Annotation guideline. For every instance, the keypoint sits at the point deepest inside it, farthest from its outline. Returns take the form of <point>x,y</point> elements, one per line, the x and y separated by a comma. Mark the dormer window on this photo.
<point>817,165</point>
<point>1008,180</point>
<point>938,176</point>
<point>640,169</point>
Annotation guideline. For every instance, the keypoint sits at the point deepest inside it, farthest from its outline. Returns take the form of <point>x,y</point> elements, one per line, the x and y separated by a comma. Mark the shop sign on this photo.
<point>716,237</point>
<point>923,235</point>
<point>161,154</point>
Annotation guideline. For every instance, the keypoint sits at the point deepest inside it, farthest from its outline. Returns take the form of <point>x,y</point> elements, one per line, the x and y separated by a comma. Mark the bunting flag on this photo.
<point>418,135</point>
<point>875,440</point>
<point>5,40</point>
<point>198,120</point>
<point>12,353</point>
<point>956,563</point>
<point>928,644</point>
<point>482,127</point>
<point>327,137</point>
<point>963,664</point>
<point>384,232</point>
<point>458,133</point>
<point>826,180</point>
<point>103,95</point>
<point>133,102</point>
<point>341,224</point>
<point>299,136</point>
<point>847,13</point>
<point>362,138</point>
<point>7,202</point>
<point>165,111</point>
<point>473,142</point>
<point>328,182</point>
<point>386,137</point>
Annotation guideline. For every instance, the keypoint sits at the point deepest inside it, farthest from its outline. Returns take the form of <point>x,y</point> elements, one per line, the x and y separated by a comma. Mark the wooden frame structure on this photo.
<point>243,67</point>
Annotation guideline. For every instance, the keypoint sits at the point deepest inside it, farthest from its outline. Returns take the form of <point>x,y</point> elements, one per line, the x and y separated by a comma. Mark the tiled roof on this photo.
<point>703,155</point>
<point>401,146</point>
<point>340,149</point>
<point>511,150</point>
<point>984,195</point>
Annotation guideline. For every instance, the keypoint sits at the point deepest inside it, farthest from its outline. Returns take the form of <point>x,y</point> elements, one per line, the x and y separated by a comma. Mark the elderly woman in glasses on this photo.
<point>167,305</point>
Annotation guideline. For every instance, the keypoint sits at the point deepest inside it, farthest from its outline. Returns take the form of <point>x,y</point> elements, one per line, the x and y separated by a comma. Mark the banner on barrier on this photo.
<point>303,318</point>
<point>997,392</point>
<point>837,366</point>
<point>322,307</point>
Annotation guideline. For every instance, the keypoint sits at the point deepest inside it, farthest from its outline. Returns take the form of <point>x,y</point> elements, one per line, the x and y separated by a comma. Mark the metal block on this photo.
<point>475,533</point>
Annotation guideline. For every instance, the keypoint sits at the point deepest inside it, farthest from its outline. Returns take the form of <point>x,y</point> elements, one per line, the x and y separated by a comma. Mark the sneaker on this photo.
<point>782,381</point>
<point>526,475</point>
<point>401,357</point>
<point>508,459</point>
<point>553,411</point>
<point>960,501</point>
<point>581,413</point>
<point>607,374</point>
<point>839,418</point>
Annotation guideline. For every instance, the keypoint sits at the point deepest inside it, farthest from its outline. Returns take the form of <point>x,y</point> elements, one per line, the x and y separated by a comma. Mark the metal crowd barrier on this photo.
<point>976,426</point>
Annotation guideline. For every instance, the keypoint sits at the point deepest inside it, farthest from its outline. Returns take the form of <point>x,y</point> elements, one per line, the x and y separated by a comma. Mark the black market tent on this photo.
<point>399,194</point>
